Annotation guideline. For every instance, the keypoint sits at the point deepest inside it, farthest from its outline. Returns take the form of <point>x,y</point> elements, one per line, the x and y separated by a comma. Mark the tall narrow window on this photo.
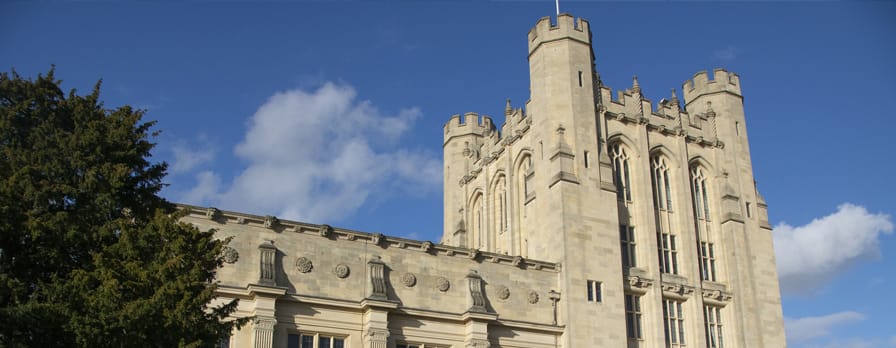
<point>698,188</point>
<point>673,320</point>
<point>476,223</point>
<point>633,316</point>
<point>712,317</point>
<point>662,193</point>
<point>621,169</point>
<point>499,209</point>
<point>627,239</point>
<point>594,291</point>
<point>707,261</point>
<point>580,79</point>
<point>702,223</point>
<point>668,253</point>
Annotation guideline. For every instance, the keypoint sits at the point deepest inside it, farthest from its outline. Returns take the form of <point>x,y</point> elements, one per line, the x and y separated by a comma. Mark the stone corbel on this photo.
<point>717,297</point>
<point>638,283</point>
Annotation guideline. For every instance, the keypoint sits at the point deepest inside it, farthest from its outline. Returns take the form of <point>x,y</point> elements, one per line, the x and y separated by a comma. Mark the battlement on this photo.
<point>567,26</point>
<point>722,81</point>
<point>469,123</point>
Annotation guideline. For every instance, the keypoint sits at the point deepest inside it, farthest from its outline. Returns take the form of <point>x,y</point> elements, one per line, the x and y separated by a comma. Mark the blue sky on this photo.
<point>333,112</point>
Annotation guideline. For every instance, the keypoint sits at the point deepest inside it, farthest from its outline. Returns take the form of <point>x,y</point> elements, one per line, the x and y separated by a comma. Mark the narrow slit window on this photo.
<point>594,291</point>
<point>586,159</point>
<point>580,79</point>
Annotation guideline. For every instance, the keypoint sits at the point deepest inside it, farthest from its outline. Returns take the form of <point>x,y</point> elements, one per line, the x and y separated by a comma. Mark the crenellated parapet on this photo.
<point>470,123</point>
<point>665,117</point>
<point>567,27</point>
<point>703,83</point>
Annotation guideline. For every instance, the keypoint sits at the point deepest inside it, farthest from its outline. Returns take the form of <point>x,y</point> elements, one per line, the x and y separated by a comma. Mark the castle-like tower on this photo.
<point>651,210</point>
<point>586,221</point>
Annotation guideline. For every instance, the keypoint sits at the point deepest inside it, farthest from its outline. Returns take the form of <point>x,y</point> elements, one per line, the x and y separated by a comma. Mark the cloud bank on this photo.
<point>318,155</point>
<point>809,255</point>
<point>807,328</point>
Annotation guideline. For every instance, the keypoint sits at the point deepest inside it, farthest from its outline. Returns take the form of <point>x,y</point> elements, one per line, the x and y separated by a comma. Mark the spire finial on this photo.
<point>507,108</point>
<point>635,86</point>
<point>674,98</point>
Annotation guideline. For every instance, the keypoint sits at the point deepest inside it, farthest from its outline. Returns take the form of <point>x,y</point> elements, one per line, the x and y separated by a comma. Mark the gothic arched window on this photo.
<point>621,169</point>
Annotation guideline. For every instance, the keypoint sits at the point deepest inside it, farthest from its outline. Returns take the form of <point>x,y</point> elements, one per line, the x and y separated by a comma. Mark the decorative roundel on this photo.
<point>304,265</point>
<point>409,279</point>
<point>230,255</point>
<point>533,297</point>
<point>442,284</point>
<point>503,292</point>
<point>341,270</point>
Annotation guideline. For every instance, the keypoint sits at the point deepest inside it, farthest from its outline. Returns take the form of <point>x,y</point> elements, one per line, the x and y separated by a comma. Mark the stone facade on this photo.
<point>585,221</point>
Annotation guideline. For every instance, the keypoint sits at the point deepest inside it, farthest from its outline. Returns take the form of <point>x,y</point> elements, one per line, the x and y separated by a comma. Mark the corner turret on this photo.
<point>567,27</point>
<point>700,84</point>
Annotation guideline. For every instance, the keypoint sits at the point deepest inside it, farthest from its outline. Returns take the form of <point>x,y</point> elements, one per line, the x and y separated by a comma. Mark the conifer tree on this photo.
<point>90,255</point>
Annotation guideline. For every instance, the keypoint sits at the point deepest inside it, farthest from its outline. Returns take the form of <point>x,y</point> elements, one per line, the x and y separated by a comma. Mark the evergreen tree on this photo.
<point>90,255</point>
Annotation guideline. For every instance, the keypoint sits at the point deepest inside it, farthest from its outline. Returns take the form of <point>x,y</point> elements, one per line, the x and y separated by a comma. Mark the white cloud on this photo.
<point>806,328</point>
<point>726,54</point>
<point>206,190</point>
<point>893,341</point>
<point>809,255</point>
<point>318,155</point>
<point>187,156</point>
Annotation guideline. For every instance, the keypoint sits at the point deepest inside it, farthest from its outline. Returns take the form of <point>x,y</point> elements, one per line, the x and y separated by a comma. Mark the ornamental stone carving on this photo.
<point>409,279</point>
<point>533,297</point>
<point>267,264</point>
<point>376,273</point>
<point>212,213</point>
<point>474,343</point>
<point>324,230</point>
<point>304,265</point>
<point>341,270</point>
<point>477,297</point>
<point>270,221</point>
<point>230,255</point>
<point>503,292</point>
<point>443,284</point>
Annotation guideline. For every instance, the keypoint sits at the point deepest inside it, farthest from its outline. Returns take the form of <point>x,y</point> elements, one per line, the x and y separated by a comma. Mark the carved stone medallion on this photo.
<point>230,255</point>
<point>533,297</point>
<point>503,292</point>
<point>442,284</point>
<point>409,279</point>
<point>341,270</point>
<point>304,265</point>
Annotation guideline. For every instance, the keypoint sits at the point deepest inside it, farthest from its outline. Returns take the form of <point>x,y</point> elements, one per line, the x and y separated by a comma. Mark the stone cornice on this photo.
<point>383,241</point>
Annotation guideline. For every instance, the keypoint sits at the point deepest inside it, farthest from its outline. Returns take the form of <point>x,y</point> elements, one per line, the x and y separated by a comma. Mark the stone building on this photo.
<point>583,221</point>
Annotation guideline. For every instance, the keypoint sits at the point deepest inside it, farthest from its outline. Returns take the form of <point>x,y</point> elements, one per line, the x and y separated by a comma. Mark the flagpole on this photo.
<point>557,4</point>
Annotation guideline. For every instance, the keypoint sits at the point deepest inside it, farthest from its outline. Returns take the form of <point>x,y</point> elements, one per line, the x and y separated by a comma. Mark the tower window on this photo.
<point>712,317</point>
<point>594,291</point>
<point>621,169</point>
<point>633,316</point>
<point>627,239</point>
<point>580,79</point>
<point>668,253</point>
<point>586,159</point>
<point>673,320</point>
<point>662,192</point>
<point>707,261</point>
<point>749,210</point>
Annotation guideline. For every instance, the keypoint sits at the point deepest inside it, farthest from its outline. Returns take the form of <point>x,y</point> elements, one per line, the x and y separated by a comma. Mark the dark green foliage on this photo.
<point>90,255</point>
